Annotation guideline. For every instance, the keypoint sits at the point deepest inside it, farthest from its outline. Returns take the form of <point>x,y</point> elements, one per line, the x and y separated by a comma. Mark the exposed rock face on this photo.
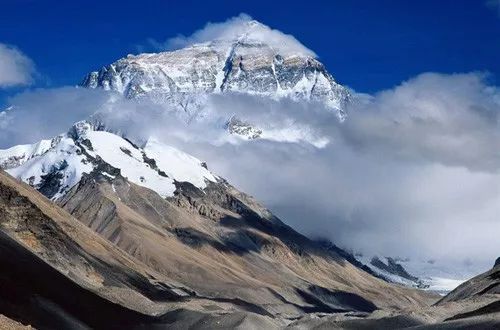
<point>238,65</point>
<point>236,126</point>
<point>87,148</point>
<point>392,267</point>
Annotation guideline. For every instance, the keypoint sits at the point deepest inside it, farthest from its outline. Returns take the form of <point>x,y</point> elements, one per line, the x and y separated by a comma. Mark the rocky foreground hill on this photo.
<point>63,271</point>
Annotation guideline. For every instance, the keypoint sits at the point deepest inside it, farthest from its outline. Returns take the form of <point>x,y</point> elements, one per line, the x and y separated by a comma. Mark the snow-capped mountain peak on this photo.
<point>55,166</point>
<point>251,59</point>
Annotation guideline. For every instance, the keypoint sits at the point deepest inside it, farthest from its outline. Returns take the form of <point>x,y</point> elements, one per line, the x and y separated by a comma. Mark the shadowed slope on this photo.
<point>222,244</point>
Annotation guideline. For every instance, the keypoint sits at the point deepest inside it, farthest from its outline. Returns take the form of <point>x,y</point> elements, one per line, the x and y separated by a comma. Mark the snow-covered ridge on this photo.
<point>55,166</point>
<point>17,155</point>
<point>240,64</point>
<point>416,273</point>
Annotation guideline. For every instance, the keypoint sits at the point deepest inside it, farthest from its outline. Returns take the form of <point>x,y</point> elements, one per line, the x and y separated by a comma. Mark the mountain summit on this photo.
<point>250,59</point>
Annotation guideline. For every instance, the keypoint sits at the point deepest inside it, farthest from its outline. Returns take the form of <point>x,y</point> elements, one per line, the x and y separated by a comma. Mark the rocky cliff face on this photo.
<point>241,64</point>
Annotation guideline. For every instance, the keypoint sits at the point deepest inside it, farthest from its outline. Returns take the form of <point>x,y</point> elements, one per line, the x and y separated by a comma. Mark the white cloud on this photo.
<point>413,171</point>
<point>15,67</point>
<point>44,113</point>
<point>235,28</point>
<point>450,119</point>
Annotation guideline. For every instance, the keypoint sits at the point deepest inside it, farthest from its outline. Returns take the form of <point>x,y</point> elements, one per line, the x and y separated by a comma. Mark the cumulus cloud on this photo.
<point>413,171</point>
<point>241,27</point>
<point>450,119</point>
<point>15,67</point>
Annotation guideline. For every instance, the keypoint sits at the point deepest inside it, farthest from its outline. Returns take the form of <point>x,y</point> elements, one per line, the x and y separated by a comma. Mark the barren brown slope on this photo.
<point>223,245</point>
<point>57,273</point>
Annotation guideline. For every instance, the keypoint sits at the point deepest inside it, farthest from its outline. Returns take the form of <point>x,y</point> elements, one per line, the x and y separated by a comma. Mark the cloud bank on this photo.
<point>15,67</point>
<point>44,113</point>
<point>241,27</point>
<point>413,171</point>
<point>448,119</point>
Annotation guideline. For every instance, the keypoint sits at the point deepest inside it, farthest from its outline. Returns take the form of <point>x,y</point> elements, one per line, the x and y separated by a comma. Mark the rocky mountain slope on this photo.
<point>164,209</point>
<point>240,64</point>
<point>57,273</point>
<point>83,280</point>
<point>473,305</point>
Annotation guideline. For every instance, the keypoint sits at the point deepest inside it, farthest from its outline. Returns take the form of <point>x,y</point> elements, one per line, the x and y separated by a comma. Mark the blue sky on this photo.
<point>367,45</point>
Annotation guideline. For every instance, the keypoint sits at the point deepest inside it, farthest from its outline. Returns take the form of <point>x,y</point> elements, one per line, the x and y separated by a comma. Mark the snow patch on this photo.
<point>119,153</point>
<point>177,164</point>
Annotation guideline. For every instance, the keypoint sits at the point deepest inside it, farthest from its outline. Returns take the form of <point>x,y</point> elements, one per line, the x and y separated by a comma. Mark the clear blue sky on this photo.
<point>367,45</point>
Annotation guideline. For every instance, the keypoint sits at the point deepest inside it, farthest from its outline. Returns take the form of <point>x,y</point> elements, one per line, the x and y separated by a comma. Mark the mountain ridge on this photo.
<point>182,76</point>
<point>138,200</point>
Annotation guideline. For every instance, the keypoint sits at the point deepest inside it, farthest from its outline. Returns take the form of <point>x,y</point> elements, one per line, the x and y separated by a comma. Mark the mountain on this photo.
<point>58,272</point>
<point>391,270</point>
<point>144,231</point>
<point>101,231</point>
<point>241,63</point>
<point>428,275</point>
<point>55,166</point>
